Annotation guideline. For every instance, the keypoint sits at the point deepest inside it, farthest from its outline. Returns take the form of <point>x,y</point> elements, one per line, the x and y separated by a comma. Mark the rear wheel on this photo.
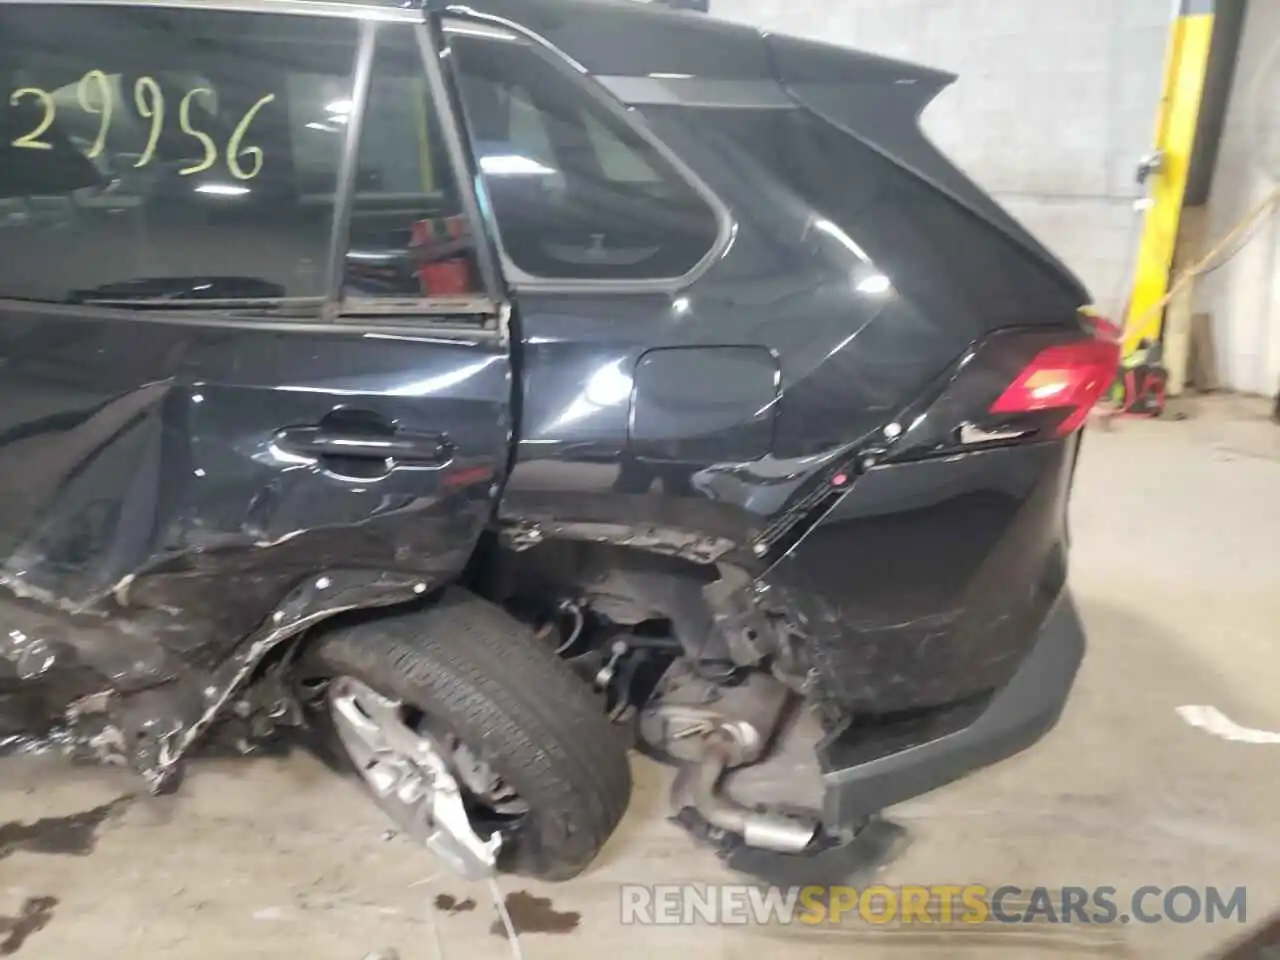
<point>472,736</point>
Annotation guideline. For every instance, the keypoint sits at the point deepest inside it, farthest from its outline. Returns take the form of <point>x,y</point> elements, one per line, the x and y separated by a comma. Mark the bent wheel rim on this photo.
<point>433,786</point>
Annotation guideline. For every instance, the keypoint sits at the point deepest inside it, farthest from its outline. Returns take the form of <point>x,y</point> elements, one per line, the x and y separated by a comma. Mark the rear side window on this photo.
<point>577,193</point>
<point>148,152</point>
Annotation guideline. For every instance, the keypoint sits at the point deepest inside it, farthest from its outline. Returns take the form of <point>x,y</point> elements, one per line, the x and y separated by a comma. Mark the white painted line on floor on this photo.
<point>501,906</point>
<point>1214,721</point>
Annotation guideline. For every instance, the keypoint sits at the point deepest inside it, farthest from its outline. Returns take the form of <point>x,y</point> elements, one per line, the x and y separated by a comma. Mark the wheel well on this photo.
<point>625,585</point>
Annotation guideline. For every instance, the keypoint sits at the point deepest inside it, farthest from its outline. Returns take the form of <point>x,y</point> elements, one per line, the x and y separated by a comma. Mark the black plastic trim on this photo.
<point>345,196</point>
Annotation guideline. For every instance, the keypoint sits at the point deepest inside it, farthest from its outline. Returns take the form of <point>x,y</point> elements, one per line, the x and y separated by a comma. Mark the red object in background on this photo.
<point>446,277</point>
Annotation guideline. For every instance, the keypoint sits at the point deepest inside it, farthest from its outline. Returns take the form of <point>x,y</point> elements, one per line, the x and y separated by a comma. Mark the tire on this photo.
<point>480,671</point>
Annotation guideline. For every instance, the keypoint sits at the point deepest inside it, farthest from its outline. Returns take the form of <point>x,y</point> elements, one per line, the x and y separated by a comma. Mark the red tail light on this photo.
<point>1070,377</point>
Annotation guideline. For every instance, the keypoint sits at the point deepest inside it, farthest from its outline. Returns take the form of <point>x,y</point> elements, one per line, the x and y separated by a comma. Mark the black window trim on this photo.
<point>345,193</point>
<point>459,18</point>
<point>391,327</point>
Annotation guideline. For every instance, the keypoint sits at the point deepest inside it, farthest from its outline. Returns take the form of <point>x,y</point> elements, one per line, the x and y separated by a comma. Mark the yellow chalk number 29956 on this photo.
<point>95,96</point>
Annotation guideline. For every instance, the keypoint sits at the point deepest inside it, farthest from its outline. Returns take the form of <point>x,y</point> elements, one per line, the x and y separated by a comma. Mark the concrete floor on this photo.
<point>275,858</point>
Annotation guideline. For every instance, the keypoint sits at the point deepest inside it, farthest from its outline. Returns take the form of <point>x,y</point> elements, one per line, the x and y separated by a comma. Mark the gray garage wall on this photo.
<point>1055,102</point>
<point>1244,296</point>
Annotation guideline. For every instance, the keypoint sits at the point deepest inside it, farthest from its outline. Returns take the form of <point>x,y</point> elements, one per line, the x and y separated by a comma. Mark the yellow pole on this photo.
<point>1190,41</point>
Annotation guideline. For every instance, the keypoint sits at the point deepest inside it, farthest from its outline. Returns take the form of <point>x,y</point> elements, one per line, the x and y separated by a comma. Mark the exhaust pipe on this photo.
<point>713,730</point>
<point>766,831</point>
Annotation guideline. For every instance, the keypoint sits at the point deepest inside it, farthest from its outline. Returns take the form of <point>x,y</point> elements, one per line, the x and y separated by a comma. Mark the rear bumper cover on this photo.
<point>1016,716</point>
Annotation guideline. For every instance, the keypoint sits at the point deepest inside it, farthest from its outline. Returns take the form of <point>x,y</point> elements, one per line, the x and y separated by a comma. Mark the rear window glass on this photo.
<point>183,153</point>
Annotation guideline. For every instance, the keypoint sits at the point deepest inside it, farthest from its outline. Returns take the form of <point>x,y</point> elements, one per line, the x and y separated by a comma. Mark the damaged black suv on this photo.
<point>486,388</point>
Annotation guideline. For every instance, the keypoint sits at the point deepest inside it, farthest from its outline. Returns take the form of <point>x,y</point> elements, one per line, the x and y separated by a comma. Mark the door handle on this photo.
<point>398,446</point>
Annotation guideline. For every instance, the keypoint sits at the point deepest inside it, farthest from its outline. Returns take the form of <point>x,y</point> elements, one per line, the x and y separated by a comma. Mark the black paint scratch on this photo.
<point>530,914</point>
<point>446,903</point>
<point>34,916</point>
<point>74,835</point>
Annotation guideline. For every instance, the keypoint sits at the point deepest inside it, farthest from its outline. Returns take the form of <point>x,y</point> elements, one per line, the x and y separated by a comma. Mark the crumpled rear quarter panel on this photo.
<point>928,581</point>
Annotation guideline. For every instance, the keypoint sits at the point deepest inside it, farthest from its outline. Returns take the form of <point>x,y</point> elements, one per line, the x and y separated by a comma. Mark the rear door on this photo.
<point>250,337</point>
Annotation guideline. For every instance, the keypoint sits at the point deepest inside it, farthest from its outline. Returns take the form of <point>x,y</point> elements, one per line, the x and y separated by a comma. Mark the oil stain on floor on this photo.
<point>447,903</point>
<point>73,835</point>
<point>33,916</point>
<point>530,914</point>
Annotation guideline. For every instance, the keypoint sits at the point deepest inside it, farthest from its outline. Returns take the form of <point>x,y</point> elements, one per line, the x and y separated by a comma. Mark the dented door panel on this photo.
<point>145,478</point>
